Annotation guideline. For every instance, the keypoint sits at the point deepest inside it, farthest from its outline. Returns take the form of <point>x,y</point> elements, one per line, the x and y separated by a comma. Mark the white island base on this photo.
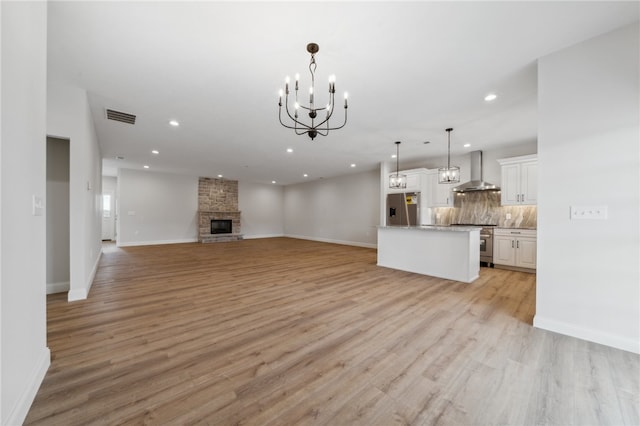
<point>446,252</point>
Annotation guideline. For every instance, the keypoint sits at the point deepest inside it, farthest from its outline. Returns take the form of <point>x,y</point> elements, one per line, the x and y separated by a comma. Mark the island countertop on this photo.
<point>450,252</point>
<point>447,228</point>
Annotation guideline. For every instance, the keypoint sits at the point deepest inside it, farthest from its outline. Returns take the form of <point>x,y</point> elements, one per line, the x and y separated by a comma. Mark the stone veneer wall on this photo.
<point>217,199</point>
<point>483,207</point>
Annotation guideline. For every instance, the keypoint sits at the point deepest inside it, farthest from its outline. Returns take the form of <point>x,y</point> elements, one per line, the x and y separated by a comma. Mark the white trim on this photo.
<point>328,240</point>
<point>156,242</point>
<point>256,236</point>
<point>83,293</point>
<point>77,294</point>
<point>19,412</point>
<point>618,342</point>
<point>59,287</point>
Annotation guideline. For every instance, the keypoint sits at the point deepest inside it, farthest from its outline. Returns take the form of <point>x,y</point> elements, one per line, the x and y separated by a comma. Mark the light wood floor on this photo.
<point>285,332</point>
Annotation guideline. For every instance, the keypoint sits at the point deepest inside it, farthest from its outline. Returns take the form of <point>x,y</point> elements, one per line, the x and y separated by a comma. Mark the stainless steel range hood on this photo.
<point>476,183</point>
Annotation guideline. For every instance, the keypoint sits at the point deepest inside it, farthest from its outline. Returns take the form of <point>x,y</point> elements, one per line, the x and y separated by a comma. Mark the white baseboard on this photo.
<point>618,342</point>
<point>156,242</point>
<point>256,236</point>
<point>61,287</point>
<point>83,293</point>
<point>328,240</point>
<point>19,412</point>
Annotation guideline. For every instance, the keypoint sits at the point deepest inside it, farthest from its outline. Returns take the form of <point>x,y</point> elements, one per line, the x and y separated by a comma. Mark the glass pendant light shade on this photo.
<point>397,180</point>
<point>449,174</point>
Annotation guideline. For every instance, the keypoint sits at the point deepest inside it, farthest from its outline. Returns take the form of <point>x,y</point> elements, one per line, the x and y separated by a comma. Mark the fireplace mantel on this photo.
<point>218,211</point>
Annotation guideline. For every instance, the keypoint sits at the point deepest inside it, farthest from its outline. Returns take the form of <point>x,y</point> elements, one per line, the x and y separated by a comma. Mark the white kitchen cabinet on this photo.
<point>515,247</point>
<point>416,181</point>
<point>519,180</point>
<point>440,195</point>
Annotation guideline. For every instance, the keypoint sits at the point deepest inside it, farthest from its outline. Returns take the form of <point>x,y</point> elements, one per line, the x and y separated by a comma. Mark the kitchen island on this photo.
<point>450,252</point>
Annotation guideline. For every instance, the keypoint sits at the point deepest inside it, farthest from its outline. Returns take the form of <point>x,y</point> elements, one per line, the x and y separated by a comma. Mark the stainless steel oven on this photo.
<point>486,242</point>
<point>486,246</point>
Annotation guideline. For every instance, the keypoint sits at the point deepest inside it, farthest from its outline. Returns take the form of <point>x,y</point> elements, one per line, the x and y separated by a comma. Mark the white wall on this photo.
<point>262,210</point>
<point>588,155</point>
<point>24,354</point>
<point>342,210</point>
<point>68,117</point>
<point>156,208</point>
<point>57,215</point>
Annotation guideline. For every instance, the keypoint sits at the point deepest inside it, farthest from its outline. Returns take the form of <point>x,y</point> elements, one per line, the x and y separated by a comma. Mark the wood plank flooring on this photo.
<point>290,332</point>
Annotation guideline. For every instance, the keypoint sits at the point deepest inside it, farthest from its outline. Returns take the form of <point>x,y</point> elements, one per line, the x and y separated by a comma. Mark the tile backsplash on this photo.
<point>483,208</point>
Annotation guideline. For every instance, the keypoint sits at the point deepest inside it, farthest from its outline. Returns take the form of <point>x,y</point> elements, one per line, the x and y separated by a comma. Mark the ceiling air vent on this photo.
<point>123,117</point>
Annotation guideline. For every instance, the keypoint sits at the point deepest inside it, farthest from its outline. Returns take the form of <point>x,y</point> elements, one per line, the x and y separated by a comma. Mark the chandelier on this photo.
<point>449,174</point>
<point>319,122</point>
<point>396,180</point>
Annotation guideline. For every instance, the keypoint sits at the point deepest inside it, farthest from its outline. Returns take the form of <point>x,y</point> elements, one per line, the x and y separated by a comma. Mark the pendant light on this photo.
<point>449,174</point>
<point>396,180</point>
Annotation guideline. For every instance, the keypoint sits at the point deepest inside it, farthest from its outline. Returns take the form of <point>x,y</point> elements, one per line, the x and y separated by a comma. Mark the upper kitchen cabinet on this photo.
<point>519,180</point>
<point>440,194</point>
<point>416,181</point>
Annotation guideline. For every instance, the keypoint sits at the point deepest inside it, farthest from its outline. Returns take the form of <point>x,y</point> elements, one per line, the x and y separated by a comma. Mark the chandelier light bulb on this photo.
<point>297,76</point>
<point>287,79</point>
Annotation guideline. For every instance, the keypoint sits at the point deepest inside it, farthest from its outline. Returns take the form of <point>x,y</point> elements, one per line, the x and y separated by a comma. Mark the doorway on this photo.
<point>109,208</point>
<point>58,216</point>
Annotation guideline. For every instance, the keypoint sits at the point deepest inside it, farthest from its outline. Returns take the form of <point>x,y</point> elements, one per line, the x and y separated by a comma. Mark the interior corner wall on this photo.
<point>24,354</point>
<point>342,210</point>
<point>69,117</point>
<point>262,210</point>
<point>156,208</point>
<point>589,155</point>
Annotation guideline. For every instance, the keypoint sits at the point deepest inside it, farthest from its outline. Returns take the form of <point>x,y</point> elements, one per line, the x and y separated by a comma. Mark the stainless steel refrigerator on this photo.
<point>402,209</point>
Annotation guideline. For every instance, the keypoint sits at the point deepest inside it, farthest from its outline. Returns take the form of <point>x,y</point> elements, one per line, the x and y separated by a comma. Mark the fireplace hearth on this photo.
<point>221,226</point>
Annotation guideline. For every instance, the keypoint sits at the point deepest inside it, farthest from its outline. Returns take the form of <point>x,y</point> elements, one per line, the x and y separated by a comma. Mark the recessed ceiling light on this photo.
<point>353,164</point>
<point>273,181</point>
<point>155,151</point>
<point>145,166</point>
<point>393,156</point>
<point>305,175</point>
<point>174,123</point>
<point>289,150</point>
<point>219,176</point>
<point>467,145</point>
<point>490,97</point>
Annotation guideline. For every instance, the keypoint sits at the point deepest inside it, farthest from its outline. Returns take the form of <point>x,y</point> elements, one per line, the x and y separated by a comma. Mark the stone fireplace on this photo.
<point>217,201</point>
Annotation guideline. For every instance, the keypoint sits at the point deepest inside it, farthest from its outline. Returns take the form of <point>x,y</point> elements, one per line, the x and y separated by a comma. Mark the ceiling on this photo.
<point>411,69</point>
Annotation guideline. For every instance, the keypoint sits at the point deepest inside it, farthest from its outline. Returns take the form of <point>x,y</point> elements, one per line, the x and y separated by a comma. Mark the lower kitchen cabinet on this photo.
<point>515,247</point>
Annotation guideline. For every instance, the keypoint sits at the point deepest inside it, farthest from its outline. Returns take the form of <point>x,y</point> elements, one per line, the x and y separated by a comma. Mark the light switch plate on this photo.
<point>588,212</point>
<point>37,205</point>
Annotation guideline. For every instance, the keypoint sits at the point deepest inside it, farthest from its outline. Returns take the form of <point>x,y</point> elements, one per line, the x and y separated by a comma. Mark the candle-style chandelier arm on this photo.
<point>321,126</point>
<point>294,118</point>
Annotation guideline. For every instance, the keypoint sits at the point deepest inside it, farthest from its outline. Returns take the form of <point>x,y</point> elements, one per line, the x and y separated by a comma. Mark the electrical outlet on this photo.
<point>507,216</point>
<point>588,212</point>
